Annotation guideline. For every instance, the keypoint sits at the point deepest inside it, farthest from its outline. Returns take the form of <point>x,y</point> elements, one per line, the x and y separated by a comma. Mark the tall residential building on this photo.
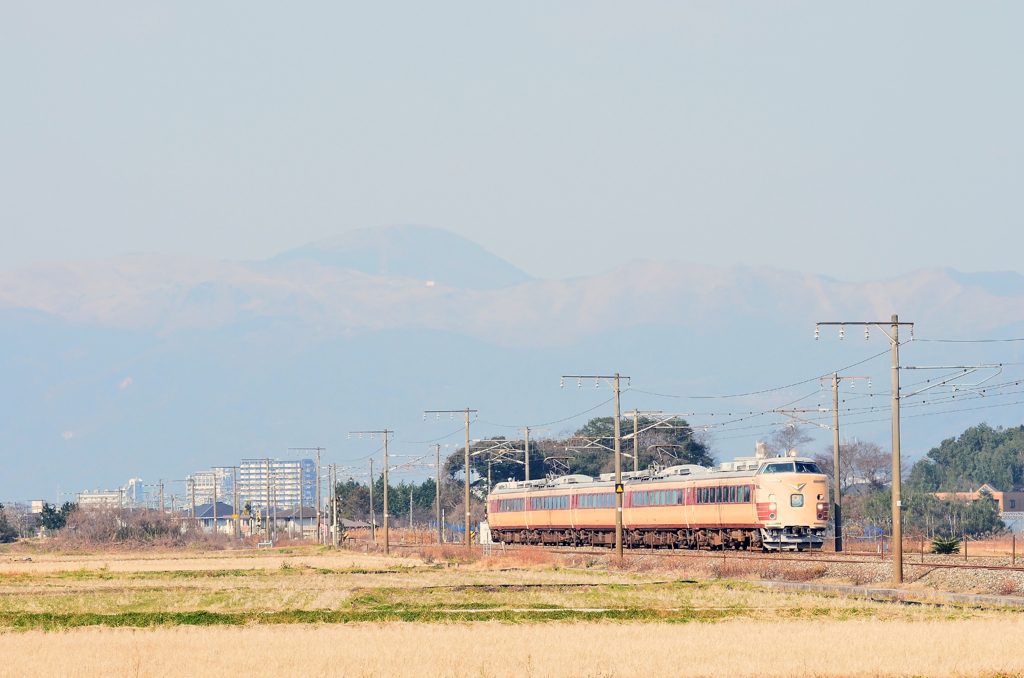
<point>292,482</point>
<point>202,484</point>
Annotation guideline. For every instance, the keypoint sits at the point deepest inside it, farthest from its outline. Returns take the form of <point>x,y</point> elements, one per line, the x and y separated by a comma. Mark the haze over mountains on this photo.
<point>158,366</point>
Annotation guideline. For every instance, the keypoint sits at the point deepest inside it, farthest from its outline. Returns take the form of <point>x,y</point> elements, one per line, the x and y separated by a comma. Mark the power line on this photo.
<point>969,341</point>
<point>767,390</point>
<point>549,423</point>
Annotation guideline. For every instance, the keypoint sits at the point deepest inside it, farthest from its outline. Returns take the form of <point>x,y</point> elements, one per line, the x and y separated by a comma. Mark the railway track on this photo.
<point>796,558</point>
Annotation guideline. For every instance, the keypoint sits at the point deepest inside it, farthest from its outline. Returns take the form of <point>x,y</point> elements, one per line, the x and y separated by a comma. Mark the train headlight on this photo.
<point>821,507</point>
<point>772,506</point>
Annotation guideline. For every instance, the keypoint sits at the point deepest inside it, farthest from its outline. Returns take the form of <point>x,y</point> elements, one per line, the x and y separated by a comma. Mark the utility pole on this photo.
<point>636,433</point>
<point>319,480</point>
<point>234,504</point>
<point>192,492</point>
<point>214,474</point>
<point>438,513</point>
<point>373,518</point>
<point>894,341</point>
<point>465,414</point>
<point>614,380</point>
<point>317,517</point>
<point>384,434</point>
<point>268,498</point>
<point>161,495</point>
<point>837,503</point>
<point>334,504</point>
<point>526,438</point>
<point>437,490</point>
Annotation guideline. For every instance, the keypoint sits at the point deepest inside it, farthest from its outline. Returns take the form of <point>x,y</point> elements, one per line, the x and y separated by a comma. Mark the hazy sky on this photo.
<point>858,140</point>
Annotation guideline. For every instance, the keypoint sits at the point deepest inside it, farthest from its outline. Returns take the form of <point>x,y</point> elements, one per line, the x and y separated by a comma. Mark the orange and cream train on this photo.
<point>777,503</point>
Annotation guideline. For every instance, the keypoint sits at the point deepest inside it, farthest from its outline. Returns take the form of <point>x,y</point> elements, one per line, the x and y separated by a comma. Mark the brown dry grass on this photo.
<point>562,650</point>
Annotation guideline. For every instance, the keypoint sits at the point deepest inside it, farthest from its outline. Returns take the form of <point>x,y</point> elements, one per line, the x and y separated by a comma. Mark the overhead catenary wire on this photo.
<point>767,390</point>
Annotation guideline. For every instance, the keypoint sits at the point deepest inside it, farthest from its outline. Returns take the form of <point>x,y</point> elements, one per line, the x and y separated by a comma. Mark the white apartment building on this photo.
<point>201,486</point>
<point>281,484</point>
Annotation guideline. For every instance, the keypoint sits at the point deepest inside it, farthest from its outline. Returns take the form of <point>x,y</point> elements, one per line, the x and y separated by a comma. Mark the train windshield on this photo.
<point>781,467</point>
<point>807,467</point>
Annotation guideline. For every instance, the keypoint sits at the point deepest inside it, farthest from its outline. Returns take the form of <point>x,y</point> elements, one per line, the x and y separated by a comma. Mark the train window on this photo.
<point>746,494</point>
<point>779,467</point>
<point>807,467</point>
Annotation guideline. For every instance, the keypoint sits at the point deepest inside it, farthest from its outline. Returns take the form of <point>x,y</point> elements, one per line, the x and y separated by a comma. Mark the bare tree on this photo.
<point>788,438</point>
<point>859,463</point>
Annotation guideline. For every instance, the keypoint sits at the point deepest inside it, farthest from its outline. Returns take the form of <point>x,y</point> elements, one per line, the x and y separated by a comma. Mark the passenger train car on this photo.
<point>776,503</point>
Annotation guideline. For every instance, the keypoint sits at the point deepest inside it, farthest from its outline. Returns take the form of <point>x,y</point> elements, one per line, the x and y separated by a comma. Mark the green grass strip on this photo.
<point>48,621</point>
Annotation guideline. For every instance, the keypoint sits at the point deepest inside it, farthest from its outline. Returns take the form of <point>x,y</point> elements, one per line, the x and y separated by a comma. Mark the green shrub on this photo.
<point>946,545</point>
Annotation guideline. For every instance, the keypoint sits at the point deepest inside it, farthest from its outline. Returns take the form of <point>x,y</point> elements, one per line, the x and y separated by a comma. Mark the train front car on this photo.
<point>792,504</point>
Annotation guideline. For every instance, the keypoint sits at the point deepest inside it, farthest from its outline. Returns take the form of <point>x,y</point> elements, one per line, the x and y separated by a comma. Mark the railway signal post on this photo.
<point>894,339</point>
<point>614,380</point>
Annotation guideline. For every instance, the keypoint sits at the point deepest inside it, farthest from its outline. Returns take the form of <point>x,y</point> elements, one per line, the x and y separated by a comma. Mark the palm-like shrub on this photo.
<point>946,545</point>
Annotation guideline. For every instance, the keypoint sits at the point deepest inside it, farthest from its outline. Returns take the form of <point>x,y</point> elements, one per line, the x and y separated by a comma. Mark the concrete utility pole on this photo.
<point>438,513</point>
<point>161,495</point>
<point>334,504</point>
<point>384,434</point>
<point>234,504</point>
<point>192,492</point>
<point>437,490</point>
<point>214,474</point>
<point>837,503</point>
<point>526,439</point>
<point>897,504</point>
<point>465,414</point>
<point>894,339</point>
<point>614,380</point>
<point>317,517</point>
<point>373,518</point>
<point>268,498</point>
<point>319,503</point>
<point>636,432</point>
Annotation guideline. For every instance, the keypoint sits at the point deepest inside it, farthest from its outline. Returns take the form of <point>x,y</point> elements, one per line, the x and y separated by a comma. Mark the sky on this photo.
<point>856,140</point>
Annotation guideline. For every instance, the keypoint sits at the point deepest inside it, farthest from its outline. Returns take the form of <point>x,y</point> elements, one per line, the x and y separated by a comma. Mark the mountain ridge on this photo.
<point>161,365</point>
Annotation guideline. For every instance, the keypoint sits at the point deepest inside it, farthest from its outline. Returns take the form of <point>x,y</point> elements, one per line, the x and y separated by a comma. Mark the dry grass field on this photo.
<point>983,647</point>
<point>305,611</point>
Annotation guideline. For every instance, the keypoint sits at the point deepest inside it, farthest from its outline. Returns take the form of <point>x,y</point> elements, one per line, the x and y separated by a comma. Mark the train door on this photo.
<point>721,496</point>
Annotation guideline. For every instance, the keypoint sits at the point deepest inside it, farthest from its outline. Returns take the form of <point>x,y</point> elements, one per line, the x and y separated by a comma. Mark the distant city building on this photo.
<point>291,483</point>
<point>106,498</point>
<point>200,486</point>
<point>36,505</point>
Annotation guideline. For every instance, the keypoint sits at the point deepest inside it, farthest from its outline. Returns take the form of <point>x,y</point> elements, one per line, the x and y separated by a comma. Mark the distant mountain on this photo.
<point>999,283</point>
<point>156,366</point>
<point>418,252</point>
